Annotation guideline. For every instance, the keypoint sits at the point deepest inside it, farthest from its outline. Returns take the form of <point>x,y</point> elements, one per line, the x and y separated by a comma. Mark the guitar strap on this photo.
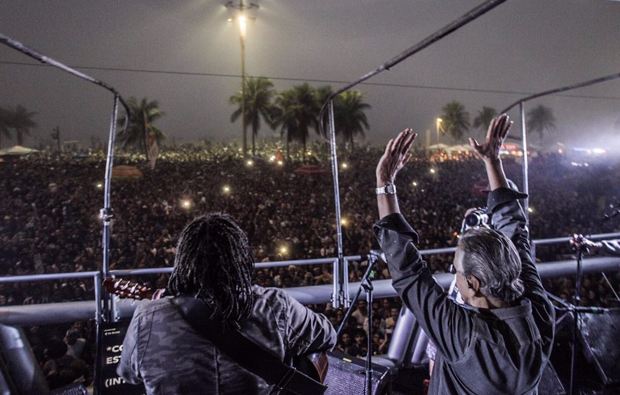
<point>249,355</point>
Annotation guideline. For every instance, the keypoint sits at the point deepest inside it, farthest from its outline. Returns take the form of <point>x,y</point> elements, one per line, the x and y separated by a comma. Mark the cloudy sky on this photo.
<point>186,55</point>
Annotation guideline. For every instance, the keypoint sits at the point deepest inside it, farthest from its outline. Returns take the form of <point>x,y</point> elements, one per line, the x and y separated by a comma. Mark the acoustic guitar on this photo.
<point>313,365</point>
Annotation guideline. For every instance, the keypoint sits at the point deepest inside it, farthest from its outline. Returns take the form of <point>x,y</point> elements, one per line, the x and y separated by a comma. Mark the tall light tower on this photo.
<point>240,10</point>
<point>438,127</point>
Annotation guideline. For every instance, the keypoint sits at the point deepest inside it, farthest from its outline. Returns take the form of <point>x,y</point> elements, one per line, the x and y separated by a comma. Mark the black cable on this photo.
<point>301,79</point>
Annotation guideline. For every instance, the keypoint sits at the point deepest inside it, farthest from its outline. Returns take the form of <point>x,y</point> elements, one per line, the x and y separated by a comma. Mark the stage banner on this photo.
<point>110,343</point>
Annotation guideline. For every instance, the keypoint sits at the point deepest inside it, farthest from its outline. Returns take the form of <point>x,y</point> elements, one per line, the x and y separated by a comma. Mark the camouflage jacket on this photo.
<point>164,352</point>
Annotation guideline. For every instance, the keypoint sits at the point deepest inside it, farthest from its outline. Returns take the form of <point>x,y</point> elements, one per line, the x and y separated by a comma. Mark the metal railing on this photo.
<point>53,313</point>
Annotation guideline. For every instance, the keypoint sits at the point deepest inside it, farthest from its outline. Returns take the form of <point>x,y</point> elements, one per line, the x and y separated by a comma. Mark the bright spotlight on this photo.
<point>186,204</point>
<point>243,25</point>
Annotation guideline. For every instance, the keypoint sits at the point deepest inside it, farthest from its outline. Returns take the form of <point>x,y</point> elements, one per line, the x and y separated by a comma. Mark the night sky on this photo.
<point>519,47</point>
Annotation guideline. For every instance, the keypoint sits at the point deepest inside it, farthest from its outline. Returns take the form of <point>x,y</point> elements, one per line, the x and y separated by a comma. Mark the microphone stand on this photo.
<point>366,285</point>
<point>105,311</point>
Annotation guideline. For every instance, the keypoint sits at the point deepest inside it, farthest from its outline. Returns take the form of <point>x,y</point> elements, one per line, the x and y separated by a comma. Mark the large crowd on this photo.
<point>49,223</point>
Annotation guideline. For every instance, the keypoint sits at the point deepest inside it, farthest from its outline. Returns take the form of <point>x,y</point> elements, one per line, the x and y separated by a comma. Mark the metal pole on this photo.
<point>106,211</point>
<point>339,298</point>
<point>243,120</point>
<point>526,184</point>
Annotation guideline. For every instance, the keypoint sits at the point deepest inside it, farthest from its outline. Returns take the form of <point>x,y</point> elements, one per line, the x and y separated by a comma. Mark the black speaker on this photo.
<point>346,375</point>
<point>550,383</point>
<point>600,335</point>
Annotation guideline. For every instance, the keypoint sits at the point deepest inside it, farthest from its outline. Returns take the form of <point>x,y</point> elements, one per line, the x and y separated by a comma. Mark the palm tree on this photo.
<point>484,118</point>
<point>143,115</point>
<point>540,119</point>
<point>284,116</point>
<point>5,124</point>
<point>297,113</point>
<point>21,120</point>
<point>350,118</point>
<point>455,119</point>
<point>258,96</point>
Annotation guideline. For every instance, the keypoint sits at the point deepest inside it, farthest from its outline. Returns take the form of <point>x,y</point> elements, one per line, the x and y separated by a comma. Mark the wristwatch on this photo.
<point>387,189</point>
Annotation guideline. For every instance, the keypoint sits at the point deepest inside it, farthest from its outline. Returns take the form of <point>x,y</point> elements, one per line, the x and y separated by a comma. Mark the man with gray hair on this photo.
<point>499,341</point>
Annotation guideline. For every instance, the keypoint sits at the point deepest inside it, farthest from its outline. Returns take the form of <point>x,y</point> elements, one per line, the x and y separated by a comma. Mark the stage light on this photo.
<point>226,189</point>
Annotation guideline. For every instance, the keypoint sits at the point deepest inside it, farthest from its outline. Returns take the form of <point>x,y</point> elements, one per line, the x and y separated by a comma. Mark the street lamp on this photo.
<point>438,122</point>
<point>240,8</point>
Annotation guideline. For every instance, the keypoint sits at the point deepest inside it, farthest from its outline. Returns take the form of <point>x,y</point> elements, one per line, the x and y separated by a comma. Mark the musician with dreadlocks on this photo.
<point>213,268</point>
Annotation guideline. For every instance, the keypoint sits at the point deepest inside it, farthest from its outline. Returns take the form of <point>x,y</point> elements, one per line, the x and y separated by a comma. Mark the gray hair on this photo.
<point>493,259</point>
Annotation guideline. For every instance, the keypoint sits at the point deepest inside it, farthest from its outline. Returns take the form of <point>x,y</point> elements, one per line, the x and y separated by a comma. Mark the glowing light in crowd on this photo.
<point>415,183</point>
<point>186,204</point>
<point>344,221</point>
<point>280,163</point>
<point>249,163</point>
<point>345,165</point>
<point>309,153</point>
<point>226,189</point>
<point>530,209</point>
<point>272,158</point>
<point>283,250</point>
<point>99,185</point>
<point>598,151</point>
<point>433,171</point>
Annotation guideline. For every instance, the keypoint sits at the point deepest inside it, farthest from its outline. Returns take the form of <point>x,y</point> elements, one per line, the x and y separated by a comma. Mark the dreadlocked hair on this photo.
<point>214,263</point>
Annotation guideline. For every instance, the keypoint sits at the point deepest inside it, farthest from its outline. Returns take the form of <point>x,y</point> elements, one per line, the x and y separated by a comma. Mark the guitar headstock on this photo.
<point>127,289</point>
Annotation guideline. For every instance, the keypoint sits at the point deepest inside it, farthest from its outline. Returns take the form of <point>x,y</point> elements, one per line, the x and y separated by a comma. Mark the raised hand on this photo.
<point>496,134</point>
<point>395,156</point>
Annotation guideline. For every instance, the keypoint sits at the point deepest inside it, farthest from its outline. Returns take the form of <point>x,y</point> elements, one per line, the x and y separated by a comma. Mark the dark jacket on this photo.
<point>162,350</point>
<point>479,351</point>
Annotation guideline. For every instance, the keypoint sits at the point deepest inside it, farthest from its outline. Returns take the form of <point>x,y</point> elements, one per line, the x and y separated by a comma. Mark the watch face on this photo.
<point>389,188</point>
